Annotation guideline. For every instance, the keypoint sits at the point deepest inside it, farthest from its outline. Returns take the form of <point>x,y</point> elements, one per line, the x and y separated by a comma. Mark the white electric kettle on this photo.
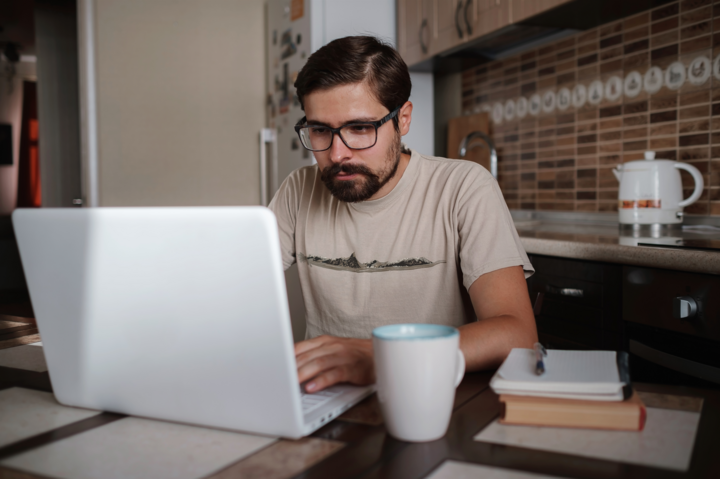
<point>651,190</point>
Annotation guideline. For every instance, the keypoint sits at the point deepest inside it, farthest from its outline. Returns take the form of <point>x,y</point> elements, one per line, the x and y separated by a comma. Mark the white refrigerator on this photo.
<point>296,29</point>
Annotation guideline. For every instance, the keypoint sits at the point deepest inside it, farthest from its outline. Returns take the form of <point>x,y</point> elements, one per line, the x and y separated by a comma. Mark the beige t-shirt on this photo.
<point>408,257</point>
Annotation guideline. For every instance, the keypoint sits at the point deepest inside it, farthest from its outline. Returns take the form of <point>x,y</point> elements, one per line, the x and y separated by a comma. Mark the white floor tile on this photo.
<point>25,413</point>
<point>24,357</point>
<point>465,470</point>
<point>140,448</point>
<point>666,442</point>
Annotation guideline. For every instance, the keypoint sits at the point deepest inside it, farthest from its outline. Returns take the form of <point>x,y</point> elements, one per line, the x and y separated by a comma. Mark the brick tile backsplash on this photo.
<point>591,105</point>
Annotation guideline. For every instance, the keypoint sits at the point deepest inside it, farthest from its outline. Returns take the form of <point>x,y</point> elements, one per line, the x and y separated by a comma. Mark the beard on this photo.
<point>368,183</point>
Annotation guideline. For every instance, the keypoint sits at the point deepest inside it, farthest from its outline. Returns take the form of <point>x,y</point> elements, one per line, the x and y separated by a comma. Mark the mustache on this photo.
<point>332,171</point>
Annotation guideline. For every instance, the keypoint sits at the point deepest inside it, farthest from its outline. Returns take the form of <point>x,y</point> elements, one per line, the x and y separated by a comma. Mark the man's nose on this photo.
<point>339,152</point>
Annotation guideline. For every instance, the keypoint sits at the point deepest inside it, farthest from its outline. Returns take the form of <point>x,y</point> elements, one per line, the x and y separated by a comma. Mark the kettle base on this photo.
<point>653,230</point>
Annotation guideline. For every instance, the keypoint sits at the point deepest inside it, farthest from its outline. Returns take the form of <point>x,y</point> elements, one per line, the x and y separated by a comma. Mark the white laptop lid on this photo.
<point>170,313</point>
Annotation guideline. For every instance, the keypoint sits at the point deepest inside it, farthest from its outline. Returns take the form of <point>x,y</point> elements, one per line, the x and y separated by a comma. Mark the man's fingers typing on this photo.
<point>310,344</point>
<point>326,379</point>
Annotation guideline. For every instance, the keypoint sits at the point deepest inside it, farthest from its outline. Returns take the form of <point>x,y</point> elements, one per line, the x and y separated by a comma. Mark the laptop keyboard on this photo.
<point>310,402</point>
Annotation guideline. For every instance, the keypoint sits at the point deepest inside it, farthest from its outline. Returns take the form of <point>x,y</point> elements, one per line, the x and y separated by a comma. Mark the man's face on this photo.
<point>354,175</point>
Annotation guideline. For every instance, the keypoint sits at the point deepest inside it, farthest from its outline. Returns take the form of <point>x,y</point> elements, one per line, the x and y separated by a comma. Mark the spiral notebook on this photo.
<point>591,375</point>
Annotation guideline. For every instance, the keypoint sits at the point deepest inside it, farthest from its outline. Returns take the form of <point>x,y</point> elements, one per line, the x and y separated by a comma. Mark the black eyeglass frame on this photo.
<point>336,131</point>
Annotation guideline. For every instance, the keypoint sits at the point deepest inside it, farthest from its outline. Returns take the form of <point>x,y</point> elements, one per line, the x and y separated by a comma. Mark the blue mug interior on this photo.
<point>414,331</point>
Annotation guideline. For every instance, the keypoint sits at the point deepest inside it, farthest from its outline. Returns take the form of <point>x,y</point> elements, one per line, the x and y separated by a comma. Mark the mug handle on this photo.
<point>460,368</point>
<point>699,183</point>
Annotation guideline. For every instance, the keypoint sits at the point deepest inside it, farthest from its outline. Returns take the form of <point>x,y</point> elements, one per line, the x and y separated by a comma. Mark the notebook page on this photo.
<point>561,366</point>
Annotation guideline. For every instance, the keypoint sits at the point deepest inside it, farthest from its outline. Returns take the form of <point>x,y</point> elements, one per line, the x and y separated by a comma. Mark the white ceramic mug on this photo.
<point>418,367</point>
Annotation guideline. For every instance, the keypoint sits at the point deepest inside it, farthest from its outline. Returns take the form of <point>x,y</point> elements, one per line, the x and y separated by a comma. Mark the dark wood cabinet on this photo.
<point>578,304</point>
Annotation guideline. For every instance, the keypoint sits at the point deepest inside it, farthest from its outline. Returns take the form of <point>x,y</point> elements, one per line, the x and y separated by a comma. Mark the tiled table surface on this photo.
<point>39,438</point>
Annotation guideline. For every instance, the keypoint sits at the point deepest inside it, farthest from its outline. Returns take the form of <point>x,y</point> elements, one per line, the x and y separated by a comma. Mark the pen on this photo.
<point>540,353</point>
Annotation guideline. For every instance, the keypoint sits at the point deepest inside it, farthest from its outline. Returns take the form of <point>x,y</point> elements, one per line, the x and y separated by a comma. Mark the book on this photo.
<point>586,375</point>
<point>628,415</point>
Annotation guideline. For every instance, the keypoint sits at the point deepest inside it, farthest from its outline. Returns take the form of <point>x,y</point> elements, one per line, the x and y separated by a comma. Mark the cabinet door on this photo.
<point>415,29</point>
<point>487,16</point>
<point>449,24</point>
<point>522,9</point>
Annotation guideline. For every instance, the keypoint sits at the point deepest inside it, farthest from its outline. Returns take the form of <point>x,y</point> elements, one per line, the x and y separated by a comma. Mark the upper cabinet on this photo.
<point>430,27</point>
<point>416,21</point>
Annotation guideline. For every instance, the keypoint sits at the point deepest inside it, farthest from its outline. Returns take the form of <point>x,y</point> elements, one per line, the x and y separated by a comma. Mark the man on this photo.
<point>385,235</point>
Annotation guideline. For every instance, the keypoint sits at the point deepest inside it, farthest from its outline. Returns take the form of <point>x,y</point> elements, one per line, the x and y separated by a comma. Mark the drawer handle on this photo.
<point>573,292</point>
<point>468,27</point>
<point>423,26</point>
<point>537,307</point>
<point>458,10</point>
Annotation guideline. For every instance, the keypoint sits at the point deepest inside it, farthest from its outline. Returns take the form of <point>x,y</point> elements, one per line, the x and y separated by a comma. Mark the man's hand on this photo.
<point>327,360</point>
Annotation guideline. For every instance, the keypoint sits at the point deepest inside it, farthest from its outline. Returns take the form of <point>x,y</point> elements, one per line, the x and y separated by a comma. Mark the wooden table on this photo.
<point>357,444</point>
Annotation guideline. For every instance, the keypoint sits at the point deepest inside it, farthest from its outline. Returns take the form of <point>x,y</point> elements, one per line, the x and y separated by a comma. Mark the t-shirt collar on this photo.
<point>407,179</point>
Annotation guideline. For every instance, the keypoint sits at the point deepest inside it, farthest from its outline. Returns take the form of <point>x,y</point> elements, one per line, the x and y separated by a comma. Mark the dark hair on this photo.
<point>355,60</point>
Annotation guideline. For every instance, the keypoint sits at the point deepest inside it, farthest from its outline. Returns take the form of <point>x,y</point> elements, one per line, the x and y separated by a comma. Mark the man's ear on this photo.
<point>405,117</point>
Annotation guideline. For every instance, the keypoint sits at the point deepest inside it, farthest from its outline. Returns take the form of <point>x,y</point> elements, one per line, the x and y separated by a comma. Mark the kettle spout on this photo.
<point>617,173</point>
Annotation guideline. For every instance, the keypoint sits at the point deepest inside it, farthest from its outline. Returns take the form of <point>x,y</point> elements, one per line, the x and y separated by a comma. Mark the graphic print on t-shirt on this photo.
<point>352,264</point>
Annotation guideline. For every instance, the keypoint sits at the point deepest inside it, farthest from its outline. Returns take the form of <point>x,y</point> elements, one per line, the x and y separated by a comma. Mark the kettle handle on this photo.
<point>699,183</point>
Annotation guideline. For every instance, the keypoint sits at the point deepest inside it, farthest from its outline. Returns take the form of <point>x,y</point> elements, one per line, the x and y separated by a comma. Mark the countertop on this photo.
<point>597,237</point>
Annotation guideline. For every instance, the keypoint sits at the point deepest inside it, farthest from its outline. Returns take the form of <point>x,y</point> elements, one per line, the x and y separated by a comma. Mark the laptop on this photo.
<point>178,314</point>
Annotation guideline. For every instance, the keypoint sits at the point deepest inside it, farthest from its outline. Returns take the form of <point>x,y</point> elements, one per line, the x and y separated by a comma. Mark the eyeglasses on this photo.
<point>355,135</point>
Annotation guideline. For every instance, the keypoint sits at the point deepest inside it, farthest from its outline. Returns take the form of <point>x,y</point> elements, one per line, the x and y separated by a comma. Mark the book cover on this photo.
<point>628,415</point>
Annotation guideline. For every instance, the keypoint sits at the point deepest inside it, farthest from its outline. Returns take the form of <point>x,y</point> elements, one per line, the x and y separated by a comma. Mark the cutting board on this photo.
<point>459,128</point>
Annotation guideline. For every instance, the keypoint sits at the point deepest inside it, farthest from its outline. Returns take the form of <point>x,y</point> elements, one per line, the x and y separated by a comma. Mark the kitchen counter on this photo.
<point>596,237</point>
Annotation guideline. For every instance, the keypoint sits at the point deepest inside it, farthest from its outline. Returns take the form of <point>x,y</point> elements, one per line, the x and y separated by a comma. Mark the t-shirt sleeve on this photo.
<point>285,206</point>
<point>486,232</point>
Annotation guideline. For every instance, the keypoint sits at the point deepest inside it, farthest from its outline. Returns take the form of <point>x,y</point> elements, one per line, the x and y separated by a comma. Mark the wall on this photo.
<point>180,101</point>
<point>11,112</point>
<point>561,158</point>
